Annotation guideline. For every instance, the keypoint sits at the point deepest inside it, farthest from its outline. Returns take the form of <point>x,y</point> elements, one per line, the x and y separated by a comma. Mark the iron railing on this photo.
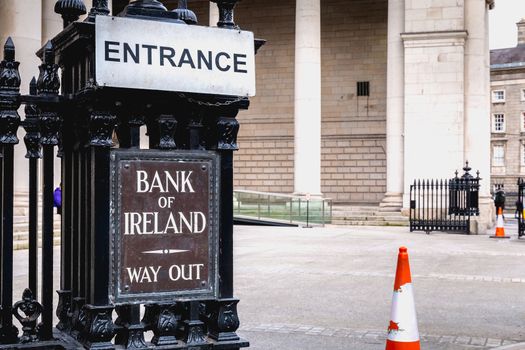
<point>519,207</point>
<point>80,122</point>
<point>444,204</point>
<point>282,208</point>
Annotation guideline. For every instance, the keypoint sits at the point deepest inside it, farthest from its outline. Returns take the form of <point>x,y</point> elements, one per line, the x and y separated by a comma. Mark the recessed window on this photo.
<point>498,96</point>
<point>498,155</point>
<point>522,95</point>
<point>363,88</point>
<point>498,122</point>
<point>522,122</point>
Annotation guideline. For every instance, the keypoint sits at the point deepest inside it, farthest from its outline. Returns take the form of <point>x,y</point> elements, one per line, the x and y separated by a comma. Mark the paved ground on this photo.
<point>331,288</point>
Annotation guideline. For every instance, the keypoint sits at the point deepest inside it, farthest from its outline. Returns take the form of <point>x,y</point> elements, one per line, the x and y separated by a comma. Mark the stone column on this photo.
<point>214,14</point>
<point>477,103</point>
<point>307,177</point>
<point>21,20</point>
<point>51,22</point>
<point>395,110</point>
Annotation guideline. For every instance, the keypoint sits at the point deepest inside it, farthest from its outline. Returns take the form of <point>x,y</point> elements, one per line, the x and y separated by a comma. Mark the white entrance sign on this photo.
<point>134,53</point>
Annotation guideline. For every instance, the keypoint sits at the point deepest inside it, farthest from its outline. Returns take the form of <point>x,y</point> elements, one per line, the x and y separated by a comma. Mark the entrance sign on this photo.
<point>152,55</point>
<point>164,225</point>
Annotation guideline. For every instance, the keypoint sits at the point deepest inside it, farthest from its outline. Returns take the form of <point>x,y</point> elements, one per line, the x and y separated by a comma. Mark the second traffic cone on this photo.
<point>402,330</point>
<point>500,230</point>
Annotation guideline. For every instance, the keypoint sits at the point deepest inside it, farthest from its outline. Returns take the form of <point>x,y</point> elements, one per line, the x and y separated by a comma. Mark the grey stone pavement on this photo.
<point>331,288</point>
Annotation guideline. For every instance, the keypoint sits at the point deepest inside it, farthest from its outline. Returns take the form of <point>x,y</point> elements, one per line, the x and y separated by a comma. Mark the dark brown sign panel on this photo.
<point>165,225</point>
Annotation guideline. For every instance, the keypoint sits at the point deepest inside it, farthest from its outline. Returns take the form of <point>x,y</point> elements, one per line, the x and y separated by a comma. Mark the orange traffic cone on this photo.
<point>402,330</point>
<point>500,230</point>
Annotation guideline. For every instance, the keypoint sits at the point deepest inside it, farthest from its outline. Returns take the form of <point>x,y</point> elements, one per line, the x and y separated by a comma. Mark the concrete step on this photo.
<point>369,223</point>
<point>367,215</point>
<point>24,244</point>
<point>24,236</point>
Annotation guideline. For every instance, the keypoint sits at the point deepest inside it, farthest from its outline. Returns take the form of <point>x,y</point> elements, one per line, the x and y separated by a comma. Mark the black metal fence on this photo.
<point>80,123</point>
<point>444,204</point>
<point>519,207</point>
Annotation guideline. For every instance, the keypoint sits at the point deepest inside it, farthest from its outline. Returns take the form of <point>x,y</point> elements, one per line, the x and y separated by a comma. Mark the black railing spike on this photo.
<point>32,86</point>
<point>49,53</point>
<point>9,50</point>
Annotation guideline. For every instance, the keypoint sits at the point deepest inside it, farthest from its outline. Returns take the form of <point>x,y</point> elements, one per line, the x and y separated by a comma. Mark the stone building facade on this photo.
<point>355,99</point>
<point>507,82</point>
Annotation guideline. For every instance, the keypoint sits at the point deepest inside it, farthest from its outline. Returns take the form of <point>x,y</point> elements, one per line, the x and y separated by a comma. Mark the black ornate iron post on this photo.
<point>226,10</point>
<point>99,8</point>
<point>31,125</point>
<point>222,313</point>
<point>192,136</point>
<point>48,85</point>
<point>99,328</point>
<point>9,122</point>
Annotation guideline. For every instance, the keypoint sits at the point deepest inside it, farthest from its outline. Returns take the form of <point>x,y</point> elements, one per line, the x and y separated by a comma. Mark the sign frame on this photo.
<point>173,57</point>
<point>117,158</point>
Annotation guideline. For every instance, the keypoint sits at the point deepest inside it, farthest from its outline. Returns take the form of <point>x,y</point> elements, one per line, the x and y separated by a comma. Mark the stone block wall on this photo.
<point>353,128</point>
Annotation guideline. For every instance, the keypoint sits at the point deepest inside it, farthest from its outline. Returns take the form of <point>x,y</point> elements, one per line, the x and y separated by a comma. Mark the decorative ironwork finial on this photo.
<point>9,74</point>
<point>31,125</point>
<point>70,10</point>
<point>467,168</point>
<point>99,8</point>
<point>9,50</point>
<point>48,79</point>
<point>32,86</point>
<point>9,92</point>
<point>148,5</point>
<point>27,311</point>
<point>188,16</point>
<point>226,13</point>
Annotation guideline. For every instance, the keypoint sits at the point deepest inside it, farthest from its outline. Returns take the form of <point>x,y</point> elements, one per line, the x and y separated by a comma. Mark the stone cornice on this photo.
<point>434,39</point>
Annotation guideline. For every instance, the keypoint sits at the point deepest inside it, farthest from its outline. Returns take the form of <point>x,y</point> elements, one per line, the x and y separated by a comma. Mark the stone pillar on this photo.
<point>51,22</point>
<point>307,177</point>
<point>214,14</point>
<point>395,110</point>
<point>477,104</point>
<point>434,137</point>
<point>21,20</point>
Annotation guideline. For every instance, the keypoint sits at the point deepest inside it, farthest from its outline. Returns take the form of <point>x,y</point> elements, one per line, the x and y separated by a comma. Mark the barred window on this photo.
<point>498,155</point>
<point>498,122</point>
<point>498,96</point>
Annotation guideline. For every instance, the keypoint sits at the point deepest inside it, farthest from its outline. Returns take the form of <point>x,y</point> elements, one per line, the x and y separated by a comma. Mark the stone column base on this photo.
<point>391,202</point>
<point>479,225</point>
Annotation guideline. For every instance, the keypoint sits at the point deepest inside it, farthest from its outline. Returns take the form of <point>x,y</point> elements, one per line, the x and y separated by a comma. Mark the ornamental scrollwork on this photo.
<point>48,82</point>
<point>227,129</point>
<point>167,128</point>
<point>31,310</point>
<point>101,126</point>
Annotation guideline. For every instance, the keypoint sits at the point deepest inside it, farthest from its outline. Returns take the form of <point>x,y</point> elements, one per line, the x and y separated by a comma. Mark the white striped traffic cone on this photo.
<point>402,330</point>
<point>500,229</point>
